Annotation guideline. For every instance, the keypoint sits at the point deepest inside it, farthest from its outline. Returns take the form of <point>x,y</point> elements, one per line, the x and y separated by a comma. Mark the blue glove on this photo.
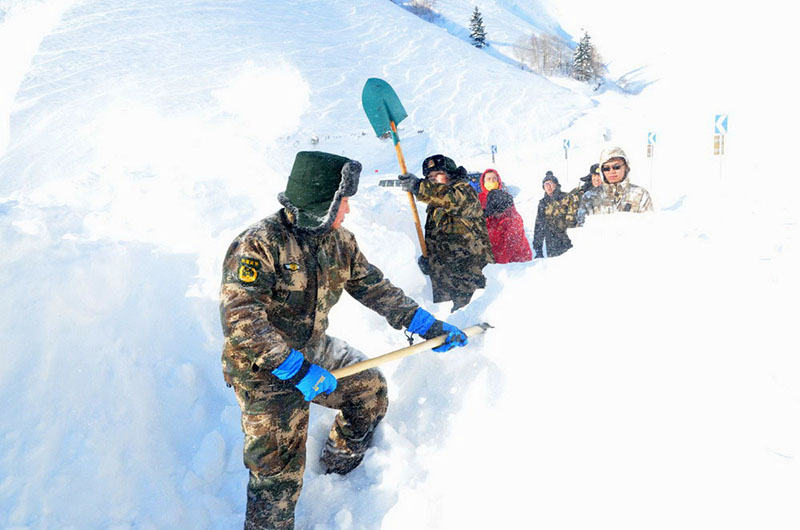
<point>425,325</point>
<point>316,381</point>
<point>455,337</point>
<point>310,379</point>
<point>421,322</point>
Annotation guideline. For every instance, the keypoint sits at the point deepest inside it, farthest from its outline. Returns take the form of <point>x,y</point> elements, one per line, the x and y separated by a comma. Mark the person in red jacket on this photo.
<point>503,222</point>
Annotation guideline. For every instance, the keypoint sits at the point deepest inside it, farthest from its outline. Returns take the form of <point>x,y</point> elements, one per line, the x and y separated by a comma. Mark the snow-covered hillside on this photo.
<point>646,379</point>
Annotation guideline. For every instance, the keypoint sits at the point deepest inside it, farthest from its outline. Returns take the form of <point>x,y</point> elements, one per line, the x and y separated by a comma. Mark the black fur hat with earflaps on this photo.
<point>443,163</point>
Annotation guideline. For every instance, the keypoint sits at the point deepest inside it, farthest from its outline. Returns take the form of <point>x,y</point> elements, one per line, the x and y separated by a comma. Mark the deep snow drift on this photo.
<point>645,379</point>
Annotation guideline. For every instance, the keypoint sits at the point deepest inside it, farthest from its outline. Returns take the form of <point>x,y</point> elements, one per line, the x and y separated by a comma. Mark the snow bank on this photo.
<point>643,379</point>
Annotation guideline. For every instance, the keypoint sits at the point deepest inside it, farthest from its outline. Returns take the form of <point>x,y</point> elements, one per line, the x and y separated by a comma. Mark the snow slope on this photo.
<point>647,378</point>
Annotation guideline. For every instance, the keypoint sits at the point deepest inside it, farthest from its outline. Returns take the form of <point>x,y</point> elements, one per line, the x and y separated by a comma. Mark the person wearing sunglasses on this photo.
<point>616,193</point>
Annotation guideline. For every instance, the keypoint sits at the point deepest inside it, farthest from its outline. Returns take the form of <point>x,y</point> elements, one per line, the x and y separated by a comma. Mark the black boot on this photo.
<point>342,455</point>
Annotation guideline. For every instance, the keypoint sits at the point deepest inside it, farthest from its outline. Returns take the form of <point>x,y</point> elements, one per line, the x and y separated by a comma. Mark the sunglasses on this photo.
<point>615,167</point>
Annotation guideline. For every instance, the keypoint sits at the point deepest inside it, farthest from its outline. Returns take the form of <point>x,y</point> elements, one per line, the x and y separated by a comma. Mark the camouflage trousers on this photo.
<point>275,425</point>
<point>455,274</point>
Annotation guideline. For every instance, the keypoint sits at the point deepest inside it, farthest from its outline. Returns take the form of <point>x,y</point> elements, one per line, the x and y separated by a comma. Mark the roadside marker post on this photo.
<point>651,148</point>
<point>720,130</point>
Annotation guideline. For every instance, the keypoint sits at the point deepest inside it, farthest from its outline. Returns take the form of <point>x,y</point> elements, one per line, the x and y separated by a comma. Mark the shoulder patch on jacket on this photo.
<point>248,269</point>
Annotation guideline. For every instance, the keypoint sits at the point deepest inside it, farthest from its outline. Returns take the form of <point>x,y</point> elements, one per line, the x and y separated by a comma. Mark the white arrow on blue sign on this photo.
<point>721,124</point>
<point>651,138</point>
<point>566,144</point>
<point>494,149</point>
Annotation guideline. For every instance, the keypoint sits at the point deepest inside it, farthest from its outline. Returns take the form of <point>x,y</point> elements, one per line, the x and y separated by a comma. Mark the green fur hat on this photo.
<point>316,185</point>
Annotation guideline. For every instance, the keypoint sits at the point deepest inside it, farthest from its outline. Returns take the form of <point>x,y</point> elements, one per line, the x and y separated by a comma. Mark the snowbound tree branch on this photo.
<point>545,54</point>
<point>477,32</point>
<point>598,67</point>
<point>422,8</point>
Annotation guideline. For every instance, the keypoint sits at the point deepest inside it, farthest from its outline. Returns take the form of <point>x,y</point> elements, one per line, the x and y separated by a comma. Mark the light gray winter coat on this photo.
<point>610,198</point>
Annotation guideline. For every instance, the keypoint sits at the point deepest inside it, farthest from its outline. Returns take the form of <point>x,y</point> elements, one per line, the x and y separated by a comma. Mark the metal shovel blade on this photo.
<point>381,105</point>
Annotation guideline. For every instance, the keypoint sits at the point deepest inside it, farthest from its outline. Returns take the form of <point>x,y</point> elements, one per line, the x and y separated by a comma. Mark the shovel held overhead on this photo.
<point>384,111</point>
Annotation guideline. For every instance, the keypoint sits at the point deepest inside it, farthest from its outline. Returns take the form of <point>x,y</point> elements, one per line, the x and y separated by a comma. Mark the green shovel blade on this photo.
<point>382,106</point>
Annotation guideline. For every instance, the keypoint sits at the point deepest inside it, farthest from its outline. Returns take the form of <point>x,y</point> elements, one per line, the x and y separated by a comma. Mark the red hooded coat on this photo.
<point>506,231</point>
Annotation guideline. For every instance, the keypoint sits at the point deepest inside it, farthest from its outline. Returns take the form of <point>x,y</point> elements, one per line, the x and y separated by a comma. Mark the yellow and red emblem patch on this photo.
<point>248,269</point>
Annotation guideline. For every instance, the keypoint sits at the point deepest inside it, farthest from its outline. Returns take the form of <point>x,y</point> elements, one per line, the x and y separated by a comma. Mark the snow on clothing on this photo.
<point>506,230</point>
<point>551,225</point>
<point>456,238</point>
<point>609,198</point>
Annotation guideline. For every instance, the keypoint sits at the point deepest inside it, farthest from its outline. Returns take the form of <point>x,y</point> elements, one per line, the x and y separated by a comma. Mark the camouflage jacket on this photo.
<point>278,285</point>
<point>455,217</point>
<point>554,215</point>
<point>609,198</point>
<point>562,213</point>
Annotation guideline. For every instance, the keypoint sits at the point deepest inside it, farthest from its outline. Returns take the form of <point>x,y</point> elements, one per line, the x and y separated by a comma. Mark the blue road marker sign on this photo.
<point>651,138</point>
<point>566,144</point>
<point>721,124</point>
<point>494,149</point>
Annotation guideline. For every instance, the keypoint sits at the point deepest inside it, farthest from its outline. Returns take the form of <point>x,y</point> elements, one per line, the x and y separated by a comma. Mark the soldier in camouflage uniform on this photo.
<point>553,217</point>
<point>281,277</point>
<point>455,230</point>
<point>616,194</point>
<point>564,212</point>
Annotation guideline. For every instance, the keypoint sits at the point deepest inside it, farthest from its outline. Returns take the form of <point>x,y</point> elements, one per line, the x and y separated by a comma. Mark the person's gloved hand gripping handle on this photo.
<point>425,325</point>
<point>409,182</point>
<point>310,379</point>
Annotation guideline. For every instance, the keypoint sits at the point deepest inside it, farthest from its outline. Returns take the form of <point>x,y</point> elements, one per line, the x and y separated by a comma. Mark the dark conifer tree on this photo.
<point>477,32</point>
<point>583,60</point>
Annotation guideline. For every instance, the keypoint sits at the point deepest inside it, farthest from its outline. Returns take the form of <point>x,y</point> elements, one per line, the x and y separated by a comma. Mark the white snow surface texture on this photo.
<point>648,378</point>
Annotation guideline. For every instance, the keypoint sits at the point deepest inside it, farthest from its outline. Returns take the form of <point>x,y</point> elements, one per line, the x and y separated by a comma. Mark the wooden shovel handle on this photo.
<point>402,160</point>
<point>404,352</point>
